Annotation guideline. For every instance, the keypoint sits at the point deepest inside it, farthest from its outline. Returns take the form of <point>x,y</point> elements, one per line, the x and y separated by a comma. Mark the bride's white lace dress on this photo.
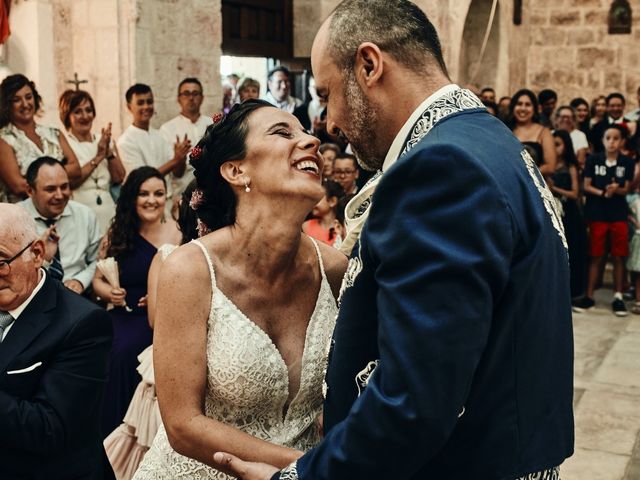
<point>248,384</point>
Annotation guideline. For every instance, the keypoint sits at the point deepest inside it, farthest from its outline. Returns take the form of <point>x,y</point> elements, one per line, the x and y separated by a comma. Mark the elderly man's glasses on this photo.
<point>5,265</point>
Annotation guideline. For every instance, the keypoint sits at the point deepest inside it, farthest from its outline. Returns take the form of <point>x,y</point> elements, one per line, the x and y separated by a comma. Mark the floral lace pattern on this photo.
<point>26,151</point>
<point>248,384</point>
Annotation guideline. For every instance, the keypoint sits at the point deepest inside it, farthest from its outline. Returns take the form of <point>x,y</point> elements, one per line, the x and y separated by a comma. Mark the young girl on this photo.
<point>321,227</point>
<point>564,185</point>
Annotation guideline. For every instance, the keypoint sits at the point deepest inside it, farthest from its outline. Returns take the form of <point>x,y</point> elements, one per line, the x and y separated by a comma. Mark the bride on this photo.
<point>245,314</point>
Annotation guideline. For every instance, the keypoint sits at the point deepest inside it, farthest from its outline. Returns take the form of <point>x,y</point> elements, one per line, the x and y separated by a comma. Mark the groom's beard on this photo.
<point>363,123</point>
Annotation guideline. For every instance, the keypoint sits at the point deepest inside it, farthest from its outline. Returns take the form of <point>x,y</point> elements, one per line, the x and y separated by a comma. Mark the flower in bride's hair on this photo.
<point>217,118</point>
<point>195,153</point>
<point>197,197</point>
<point>202,228</point>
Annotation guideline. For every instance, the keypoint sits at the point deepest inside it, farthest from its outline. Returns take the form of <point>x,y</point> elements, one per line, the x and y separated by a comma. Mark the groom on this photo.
<point>452,355</point>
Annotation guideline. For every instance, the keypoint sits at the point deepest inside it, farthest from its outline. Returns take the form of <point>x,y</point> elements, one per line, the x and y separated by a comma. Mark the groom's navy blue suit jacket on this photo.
<point>452,356</point>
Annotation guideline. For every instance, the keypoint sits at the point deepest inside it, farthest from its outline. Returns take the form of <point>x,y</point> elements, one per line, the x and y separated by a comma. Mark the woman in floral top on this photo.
<point>22,140</point>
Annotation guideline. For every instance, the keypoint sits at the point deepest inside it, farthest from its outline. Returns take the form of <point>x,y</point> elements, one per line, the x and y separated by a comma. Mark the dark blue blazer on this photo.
<point>50,415</point>
<point>452,356</point>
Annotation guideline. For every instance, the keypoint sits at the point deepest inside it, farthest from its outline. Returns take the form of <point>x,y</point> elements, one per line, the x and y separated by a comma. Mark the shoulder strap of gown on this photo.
<point>209,262</point>
<point>315,244</point>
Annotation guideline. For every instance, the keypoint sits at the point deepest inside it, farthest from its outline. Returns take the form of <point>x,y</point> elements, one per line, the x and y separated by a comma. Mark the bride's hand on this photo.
<point>244,470</point>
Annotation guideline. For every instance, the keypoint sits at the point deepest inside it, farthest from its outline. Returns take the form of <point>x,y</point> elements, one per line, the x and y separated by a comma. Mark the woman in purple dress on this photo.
<point>138,229</point>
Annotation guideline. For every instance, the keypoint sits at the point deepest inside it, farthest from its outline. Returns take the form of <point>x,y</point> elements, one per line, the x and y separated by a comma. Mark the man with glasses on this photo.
<point>189,124</point>
<point>54,347</point>
<point>346,172</point>
<point>278,89</point>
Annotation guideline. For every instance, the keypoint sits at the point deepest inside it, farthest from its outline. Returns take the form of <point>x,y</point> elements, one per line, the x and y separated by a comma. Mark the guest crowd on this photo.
<point>94,197</point>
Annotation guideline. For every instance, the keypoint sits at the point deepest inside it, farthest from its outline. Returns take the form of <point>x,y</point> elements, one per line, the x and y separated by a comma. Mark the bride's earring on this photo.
<point>246,186</point>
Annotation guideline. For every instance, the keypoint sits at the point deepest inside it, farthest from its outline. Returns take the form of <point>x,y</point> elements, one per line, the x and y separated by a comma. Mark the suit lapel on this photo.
<point>35,318</point>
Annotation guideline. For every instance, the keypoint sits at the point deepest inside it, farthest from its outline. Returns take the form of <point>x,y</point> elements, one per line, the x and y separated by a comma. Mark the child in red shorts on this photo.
<point>607,177</point>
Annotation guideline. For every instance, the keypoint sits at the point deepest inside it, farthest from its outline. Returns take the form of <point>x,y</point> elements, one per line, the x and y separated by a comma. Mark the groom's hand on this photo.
<point>244,470</point>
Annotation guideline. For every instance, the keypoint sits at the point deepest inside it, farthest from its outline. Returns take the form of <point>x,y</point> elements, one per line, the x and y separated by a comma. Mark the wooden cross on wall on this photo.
<point>76,81</point>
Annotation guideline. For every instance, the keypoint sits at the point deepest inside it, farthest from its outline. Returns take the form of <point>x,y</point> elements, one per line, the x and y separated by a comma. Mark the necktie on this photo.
<point>55,269</point>
<point>5,320</point>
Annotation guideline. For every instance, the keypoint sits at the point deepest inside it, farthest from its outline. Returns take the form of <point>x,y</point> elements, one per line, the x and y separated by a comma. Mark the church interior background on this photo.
<point>567,45</point>
<point>559,44</point>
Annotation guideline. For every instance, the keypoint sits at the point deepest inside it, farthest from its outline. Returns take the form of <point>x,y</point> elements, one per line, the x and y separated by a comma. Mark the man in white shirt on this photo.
<point>279,86</point>
<point>188,124</point>
<point>73,225</point>
<point>141,144</point>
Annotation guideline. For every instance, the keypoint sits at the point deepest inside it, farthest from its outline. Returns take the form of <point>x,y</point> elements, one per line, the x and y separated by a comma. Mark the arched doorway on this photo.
<point>483,71</point>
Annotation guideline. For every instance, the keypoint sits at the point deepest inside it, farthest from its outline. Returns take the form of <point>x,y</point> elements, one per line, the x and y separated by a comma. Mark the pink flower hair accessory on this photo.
<point>202,228</point>
<point>197,198</point>
<point>195,153</point>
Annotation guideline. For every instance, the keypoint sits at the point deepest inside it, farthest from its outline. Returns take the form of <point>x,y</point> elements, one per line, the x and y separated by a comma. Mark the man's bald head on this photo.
<point>399,28</point>
<point>16,225</point>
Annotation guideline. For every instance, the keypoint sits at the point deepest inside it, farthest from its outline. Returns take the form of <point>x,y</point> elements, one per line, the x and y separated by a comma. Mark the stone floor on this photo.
<point>607,395</point>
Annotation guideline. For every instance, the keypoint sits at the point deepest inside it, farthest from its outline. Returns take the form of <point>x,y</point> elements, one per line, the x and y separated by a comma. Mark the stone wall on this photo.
<point>572,51</point>
<point>561,44</point>
<point>175,39</point>
<point>115,43</point>
<point>86,34</point>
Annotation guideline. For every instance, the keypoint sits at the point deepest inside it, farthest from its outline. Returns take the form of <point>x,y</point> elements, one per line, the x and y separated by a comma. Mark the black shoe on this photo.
<point>629,294</point>
<point>619,308</point>
<point>584,304</point>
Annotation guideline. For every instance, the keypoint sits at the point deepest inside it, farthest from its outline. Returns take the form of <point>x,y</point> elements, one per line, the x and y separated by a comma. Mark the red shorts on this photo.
<point>619,238</point>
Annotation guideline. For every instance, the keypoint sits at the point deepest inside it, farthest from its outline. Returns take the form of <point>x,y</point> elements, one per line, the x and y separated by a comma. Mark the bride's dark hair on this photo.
<point>224,140</point>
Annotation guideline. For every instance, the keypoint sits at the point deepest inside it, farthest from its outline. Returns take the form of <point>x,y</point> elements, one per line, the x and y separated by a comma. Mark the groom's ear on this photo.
<point>234,173</point>
<point>368,66</point>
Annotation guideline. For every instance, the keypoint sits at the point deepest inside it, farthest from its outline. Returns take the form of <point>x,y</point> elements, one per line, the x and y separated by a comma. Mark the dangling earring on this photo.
<point>246,187</point>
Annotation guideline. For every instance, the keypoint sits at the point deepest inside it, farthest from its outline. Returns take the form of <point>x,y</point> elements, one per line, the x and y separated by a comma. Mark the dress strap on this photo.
<point>315,244</point>
<point>209,262</point>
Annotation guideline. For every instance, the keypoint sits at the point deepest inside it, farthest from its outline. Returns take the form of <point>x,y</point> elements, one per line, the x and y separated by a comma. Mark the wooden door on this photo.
<point>262,28</point>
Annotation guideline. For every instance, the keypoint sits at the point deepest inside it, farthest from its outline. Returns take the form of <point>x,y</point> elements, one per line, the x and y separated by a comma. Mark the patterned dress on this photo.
<point>26,151</point>
<point>248,384</point>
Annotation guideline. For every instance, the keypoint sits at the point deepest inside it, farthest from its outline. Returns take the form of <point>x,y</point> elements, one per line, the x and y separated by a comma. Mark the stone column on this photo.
<point>30,51</point>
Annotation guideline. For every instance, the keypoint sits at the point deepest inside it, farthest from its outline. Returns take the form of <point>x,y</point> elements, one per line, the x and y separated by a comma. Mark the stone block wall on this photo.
<point>571,51</point>
<point>175,39</point>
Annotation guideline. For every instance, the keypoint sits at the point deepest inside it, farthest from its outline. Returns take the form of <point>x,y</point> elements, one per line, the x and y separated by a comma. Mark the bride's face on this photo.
<point>282,159</point>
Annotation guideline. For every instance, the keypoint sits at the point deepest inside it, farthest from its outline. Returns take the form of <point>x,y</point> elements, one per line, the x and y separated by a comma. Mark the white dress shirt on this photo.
<point>15,313</point>
<point>138,147</point>
<point>579,140</point>
<point>288,105</point>
<point>179,127</point>
<point>79,241</point>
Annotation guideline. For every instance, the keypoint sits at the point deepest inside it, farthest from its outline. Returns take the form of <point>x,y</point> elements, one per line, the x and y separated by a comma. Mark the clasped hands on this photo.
<point>610,189</point>
<point>244,470</point>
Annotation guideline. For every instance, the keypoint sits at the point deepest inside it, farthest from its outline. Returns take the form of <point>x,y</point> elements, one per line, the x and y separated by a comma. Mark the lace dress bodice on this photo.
<point>248,383</point>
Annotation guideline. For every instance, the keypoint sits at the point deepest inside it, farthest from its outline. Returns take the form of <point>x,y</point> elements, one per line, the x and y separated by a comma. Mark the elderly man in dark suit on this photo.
<point>452,356</point>
<point>54,347</point>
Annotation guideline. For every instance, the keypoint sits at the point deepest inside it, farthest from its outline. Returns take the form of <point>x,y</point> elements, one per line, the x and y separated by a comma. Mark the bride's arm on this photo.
<point>179,352</point>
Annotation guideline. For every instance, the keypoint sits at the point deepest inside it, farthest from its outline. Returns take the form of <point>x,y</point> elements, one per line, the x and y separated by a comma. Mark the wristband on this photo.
<point>604,192</point>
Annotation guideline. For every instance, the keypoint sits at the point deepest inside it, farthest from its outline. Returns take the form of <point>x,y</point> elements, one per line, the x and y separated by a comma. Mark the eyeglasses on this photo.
<point>189,93</point>
<point>344,172</point>
<point>5,265</point>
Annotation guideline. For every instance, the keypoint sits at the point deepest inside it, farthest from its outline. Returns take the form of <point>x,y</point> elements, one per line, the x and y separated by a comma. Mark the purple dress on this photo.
<point>131,334</point>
